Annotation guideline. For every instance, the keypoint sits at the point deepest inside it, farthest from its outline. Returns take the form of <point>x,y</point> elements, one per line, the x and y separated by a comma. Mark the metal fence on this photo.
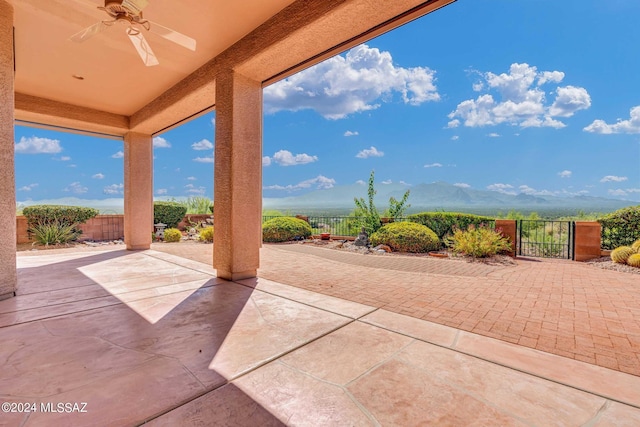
<point>546,239</point>
<point>336,225</point>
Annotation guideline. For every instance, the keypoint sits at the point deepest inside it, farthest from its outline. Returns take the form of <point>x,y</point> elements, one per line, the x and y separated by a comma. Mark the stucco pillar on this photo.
<point>238,176</point>
<point>138,190</point>
<point>8,274</point>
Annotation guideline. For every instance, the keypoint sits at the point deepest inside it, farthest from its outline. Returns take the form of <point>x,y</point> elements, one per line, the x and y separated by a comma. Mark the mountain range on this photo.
<point>442,195</point>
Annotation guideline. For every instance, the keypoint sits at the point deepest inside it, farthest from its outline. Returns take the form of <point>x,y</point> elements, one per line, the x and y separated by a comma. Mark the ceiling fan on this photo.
<point>129,13</point>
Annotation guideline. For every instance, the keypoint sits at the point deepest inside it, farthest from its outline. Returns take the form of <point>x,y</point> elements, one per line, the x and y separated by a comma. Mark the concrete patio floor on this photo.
<point>152,337</point>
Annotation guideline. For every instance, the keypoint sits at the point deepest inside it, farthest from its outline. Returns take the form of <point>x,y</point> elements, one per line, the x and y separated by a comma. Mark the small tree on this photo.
<point>368,211</point>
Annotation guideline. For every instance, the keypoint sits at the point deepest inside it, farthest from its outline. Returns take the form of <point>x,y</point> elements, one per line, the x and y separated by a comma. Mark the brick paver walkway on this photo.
<point>561,307</point>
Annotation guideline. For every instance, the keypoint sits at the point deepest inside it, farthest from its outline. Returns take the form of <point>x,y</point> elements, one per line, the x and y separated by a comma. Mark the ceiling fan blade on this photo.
<point>174,36</point>
<point>89,32</point>
<point>143,48</point>
<point>135,6</point>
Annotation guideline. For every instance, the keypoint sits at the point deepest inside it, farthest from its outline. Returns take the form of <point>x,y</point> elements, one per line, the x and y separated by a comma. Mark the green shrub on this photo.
<point>444,223</point>
<point>406,237</point>
<point>621,254</point>
<point>620,228</point>
<point>57,214</point>
<point>170,213</point>
<point>634,260</point>
<point>206,235</point>
<point>197,205</point>
<point>284,229</point>
<point>479,242</point>
<point>172,235</point>
<point>53,232</point>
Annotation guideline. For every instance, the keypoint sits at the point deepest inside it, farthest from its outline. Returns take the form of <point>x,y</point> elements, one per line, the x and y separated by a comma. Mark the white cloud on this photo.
<point>98,176</point>
<point>28,187</point>
<point>35,145</point>
<point>455,137</point>
<point>192,189</point>
<point>462,185</point>
<point>501,188</point>
<point>204,144</point>
<point>521,102</point>
<point>370,152</point>
<point>618,192</point>
<point>320,182</point>
<point>533,192</point>
<point>632,125</point>
<point>160,142</point>
<point>114,189</point>
<point>117,155</point>
<point>192,178</point>
<point>493,135</point>
<point>266,161</point>
<point>404,183</point>
<point>633,190</point>
<point>76,187</point>
<point>204,159</point>
<point>360,182</point>
<point>286,158</point>
<point>433,165</point>
<point>62,158</point>
<point>161,191</point>
<point>613,178</point>
<point>350,133</point>
<point>565,174</point>
<point>387,182</point>
<point>348,84</point>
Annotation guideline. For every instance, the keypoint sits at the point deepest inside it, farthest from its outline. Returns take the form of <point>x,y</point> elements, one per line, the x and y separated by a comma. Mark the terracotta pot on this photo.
<point>325,236</point>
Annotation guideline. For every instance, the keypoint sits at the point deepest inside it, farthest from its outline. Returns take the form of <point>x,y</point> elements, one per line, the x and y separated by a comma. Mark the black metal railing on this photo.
<point>546,239</point>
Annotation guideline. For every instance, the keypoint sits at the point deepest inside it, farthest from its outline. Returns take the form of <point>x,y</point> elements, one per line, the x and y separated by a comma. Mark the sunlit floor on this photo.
<point>135,337</point>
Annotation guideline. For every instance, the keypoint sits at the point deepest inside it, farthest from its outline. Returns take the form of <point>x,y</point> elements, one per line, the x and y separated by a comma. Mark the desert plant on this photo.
<point>620,228</point>
<point>636,246</point>
<point>478,242</point>
<point>369,214</point>
<point>169,213</point>
<point>406,237</point>
<point>444,223</point>
<point>53,232</point>
<point>206,235</point>
<point>172,235</point>
<point>634,260</point>
<point>284,229</point>
<point>197,205</point>
<point>621,254</point>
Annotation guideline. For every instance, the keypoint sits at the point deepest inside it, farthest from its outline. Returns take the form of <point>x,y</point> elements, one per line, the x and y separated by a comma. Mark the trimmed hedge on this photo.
<point>406,237</point>
<point>172,235</point>
<point>170,213</point>
<point>284,229</point>
<point>58,214</point>
<point>445,223</point>
<point>620,228</point>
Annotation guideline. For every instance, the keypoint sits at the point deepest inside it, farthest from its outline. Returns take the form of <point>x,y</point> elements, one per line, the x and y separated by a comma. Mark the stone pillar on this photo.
<point>138,190</point>
<point>238,176</point>
<point>507,228</point>
<point>587,240</point>
<point>8,273</point>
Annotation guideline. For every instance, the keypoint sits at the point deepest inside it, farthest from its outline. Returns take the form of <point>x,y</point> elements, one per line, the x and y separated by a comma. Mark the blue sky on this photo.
<point>531,96</point>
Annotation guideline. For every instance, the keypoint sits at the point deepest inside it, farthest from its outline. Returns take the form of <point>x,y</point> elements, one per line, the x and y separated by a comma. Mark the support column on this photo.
<point>8,273</point>
<point>238,176</point>
<point>138,190</point>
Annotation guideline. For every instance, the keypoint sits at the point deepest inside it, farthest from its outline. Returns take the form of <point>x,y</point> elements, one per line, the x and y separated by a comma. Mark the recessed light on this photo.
<point>75,76</point>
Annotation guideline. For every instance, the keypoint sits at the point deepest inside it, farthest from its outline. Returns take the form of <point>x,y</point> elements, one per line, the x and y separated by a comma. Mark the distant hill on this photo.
<point>442,195</point>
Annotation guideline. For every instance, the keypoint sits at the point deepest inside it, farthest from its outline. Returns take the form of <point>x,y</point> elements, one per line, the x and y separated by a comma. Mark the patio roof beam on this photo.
<point>40,112</point>
<point>301,35</point>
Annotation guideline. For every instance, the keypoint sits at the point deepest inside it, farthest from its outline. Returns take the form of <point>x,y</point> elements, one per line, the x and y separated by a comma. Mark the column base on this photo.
<point>7,296</point>
<point>138,247</point>
<point>227,275</point>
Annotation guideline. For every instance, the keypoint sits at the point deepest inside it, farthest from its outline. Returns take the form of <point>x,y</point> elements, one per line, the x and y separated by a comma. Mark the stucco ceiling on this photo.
<point>115,78</point>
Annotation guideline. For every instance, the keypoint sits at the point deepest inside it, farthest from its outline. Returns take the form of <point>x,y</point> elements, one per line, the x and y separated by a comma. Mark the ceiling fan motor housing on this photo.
<point>118,7</point>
